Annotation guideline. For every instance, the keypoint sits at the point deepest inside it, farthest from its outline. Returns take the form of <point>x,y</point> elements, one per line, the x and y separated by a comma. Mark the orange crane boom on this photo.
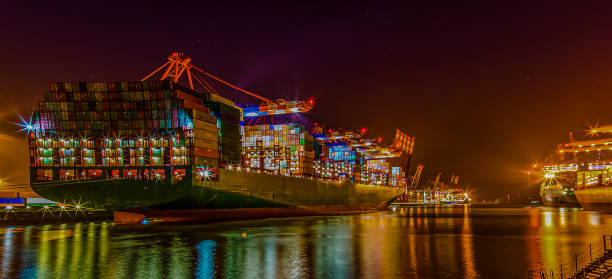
<point>178,64</point>
<point>233,86</point>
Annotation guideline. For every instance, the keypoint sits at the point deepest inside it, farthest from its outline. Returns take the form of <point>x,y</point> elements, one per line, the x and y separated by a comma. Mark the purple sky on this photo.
<point>486,88</point>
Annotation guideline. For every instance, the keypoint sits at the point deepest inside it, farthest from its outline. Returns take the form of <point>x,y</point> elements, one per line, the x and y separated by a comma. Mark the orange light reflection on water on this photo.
<point>419,242</point>
<point>467,243</point>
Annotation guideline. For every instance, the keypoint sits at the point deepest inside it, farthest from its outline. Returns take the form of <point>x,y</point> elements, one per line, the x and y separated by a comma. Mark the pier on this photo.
<point>593,262</point>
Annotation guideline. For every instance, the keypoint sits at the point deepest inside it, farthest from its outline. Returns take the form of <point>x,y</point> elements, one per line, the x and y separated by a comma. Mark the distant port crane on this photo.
<point>416,177</point>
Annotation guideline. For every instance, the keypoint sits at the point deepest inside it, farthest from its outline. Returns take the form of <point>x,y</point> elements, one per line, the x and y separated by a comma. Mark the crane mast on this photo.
<point>437,181</point>
<point>179,65</point>
<point>417,176</point>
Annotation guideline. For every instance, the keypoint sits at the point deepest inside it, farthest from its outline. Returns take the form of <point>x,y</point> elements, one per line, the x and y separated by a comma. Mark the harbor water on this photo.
<point>402,242</point>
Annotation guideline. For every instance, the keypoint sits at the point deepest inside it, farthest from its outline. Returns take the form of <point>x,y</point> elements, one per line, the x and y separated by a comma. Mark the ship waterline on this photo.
<point>149,216</point>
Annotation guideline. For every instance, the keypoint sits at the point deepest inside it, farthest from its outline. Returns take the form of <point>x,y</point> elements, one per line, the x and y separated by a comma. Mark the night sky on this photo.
<point>486,89</point>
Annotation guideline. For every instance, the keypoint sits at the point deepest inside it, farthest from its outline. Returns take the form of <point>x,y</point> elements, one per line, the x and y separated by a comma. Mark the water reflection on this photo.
<point>206,259</point>
<point>441,242</point>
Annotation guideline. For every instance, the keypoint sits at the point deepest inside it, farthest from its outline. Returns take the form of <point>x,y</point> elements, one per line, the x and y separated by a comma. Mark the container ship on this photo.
<point>158,151</point>
<point>580,172</point>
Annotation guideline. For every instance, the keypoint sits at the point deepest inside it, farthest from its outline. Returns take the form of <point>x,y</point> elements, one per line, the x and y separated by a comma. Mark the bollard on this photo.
<point>561,270</point>
<point>590,255</point>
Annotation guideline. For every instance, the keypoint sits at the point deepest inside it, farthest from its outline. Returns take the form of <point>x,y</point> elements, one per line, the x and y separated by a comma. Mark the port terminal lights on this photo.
<point>529,172</point>
<point>549,179</point>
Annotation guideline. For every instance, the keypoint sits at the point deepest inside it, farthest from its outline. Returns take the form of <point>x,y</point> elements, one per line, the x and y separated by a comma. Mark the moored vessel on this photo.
<point>595,198</point>
<point>581,171</point>
<point>558,186</point>
<point>159,151</point>
<point>557,195</point>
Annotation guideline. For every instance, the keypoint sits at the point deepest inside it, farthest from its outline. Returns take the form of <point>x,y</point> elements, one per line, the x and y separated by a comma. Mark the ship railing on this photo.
<point>337,181</point>
<point>595,261</point>
<point>81,180</point>
<point>41,185</point>
<point>594,186</point>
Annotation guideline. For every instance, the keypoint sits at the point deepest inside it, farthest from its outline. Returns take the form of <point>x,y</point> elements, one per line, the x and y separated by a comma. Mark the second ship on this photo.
<point>156,151</point>
<point>580,172</point>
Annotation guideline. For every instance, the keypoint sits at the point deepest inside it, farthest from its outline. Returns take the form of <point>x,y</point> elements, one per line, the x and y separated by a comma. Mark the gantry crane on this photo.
<point>437,181</point>
<point>589,145</point>
<point>179,64</point>
<point>595,130</point>
<point>417,176</point>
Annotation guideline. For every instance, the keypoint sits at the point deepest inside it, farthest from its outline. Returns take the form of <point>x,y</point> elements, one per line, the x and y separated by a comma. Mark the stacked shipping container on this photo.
<point>116,108</point>
<point>119,124</point>
<point>228,122</point>
<point>348,155</point>
<point>205,139</point>
<point>286,149</point>
<point>388,170</point>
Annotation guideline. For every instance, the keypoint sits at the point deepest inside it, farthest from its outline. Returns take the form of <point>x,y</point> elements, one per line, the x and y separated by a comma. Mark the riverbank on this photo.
<point>49,215</point>
<point>473,205</point>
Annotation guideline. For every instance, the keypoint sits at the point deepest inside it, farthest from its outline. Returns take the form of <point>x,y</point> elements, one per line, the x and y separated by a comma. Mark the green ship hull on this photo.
<point>235,195</point>
<point>113,194</point>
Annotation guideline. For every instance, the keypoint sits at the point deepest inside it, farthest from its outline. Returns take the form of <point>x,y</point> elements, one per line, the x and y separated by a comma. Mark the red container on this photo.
<point>203,152</point>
